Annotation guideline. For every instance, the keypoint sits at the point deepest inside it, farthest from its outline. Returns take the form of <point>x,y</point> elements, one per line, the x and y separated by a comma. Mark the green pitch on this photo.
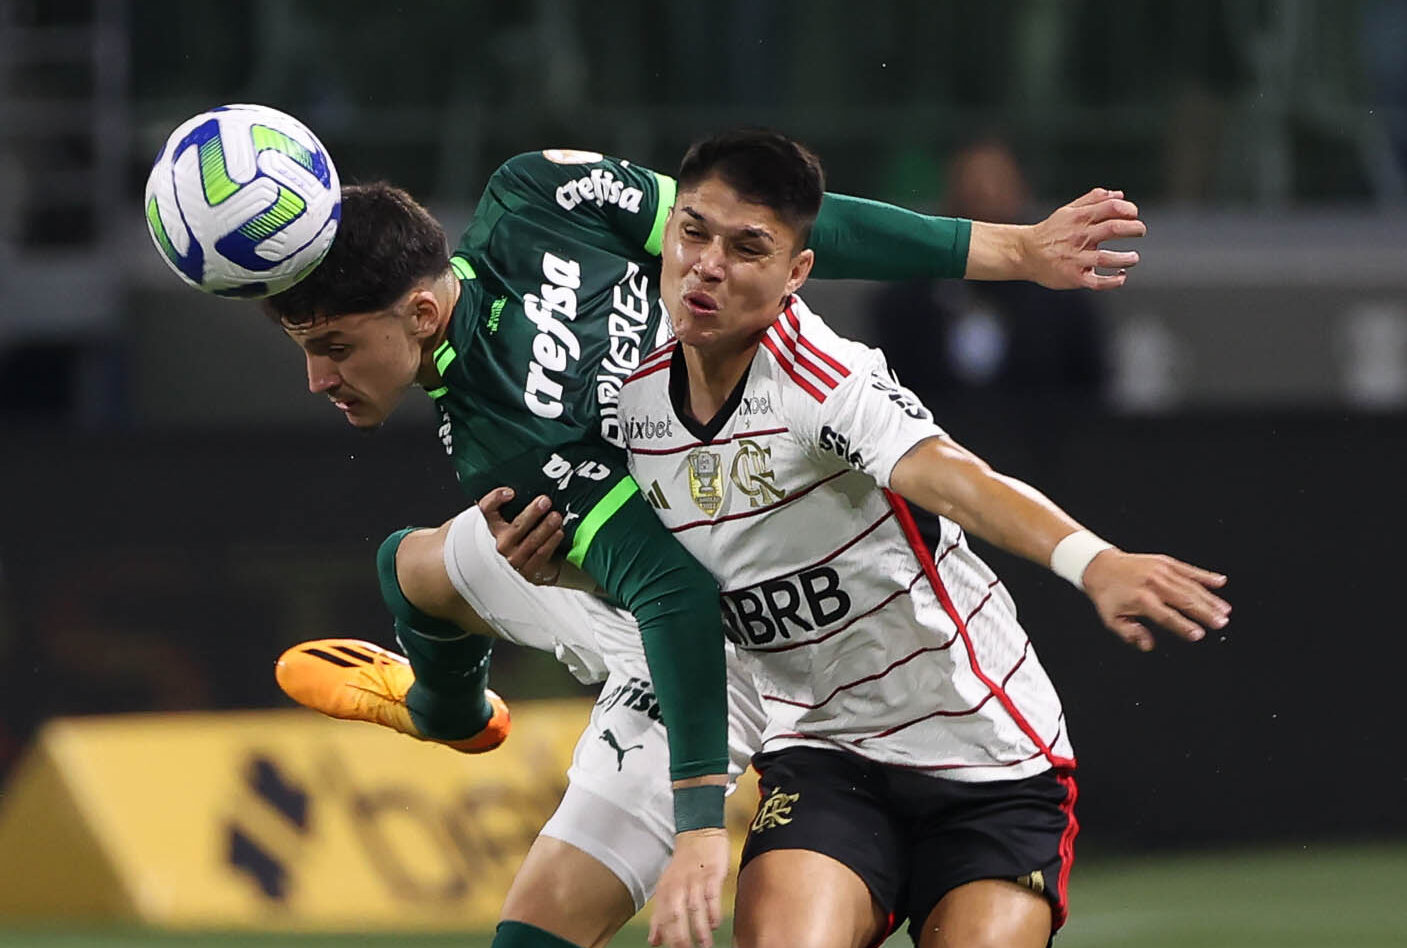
<point>1313,897</point>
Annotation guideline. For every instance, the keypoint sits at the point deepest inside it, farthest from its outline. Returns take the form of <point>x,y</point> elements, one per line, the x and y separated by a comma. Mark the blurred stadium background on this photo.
<point>175,510</point>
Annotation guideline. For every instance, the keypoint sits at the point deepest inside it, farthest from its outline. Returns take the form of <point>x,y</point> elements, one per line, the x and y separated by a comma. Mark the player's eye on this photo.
<point>693,231</point>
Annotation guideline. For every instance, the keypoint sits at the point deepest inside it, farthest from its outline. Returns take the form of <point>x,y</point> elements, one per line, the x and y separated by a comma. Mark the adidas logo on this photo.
<point>655,495</point>
<point>346,656</point>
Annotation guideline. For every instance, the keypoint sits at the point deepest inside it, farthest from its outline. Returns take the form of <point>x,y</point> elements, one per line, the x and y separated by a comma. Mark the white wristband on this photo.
<point>1072,554</point>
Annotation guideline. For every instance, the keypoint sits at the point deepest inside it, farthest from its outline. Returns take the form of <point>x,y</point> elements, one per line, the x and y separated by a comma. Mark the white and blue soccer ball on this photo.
<point>243,201</point>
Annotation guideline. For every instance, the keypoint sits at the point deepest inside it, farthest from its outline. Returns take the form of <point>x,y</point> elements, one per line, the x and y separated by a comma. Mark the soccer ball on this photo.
<point>243,201</point>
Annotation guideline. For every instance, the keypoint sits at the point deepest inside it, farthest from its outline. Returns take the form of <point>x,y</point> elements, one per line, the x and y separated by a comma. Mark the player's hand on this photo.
<point>1132,590</point>
<point>1062,251</point>
<point>530,539</point>
<point>688,901</point>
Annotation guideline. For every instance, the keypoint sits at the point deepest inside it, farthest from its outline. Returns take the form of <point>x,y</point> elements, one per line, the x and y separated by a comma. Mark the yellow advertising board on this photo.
<point>279,819</point>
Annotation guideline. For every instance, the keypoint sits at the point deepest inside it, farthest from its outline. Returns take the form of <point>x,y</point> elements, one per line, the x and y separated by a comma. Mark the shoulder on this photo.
<point>812,360</point>
<point>578,178</point>
<point>653,362</point>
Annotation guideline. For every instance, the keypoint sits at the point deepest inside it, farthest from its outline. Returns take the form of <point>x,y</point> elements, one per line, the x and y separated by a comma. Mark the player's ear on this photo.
<point>424,313</point>
<point>801,265</point>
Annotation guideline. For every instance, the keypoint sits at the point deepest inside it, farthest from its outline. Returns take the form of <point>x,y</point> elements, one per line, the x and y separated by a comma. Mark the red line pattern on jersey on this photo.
<point>834,632</point>
<point>639,374</point>
<point>824,559</point>
<point>786,367</point>
<point>795,323</point>
<point>949,714</point>
<point>663,354</point>
<point>860,681</point>
<point>849,745</point>
<point>1008,763</point>
<point>704,444</point>
<point>785,341</point>
<point>985,599</point>
<point>906,520</point>
<point>760,510</point>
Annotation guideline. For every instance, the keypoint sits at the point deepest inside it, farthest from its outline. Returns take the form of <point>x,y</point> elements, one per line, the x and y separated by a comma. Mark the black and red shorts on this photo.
<point>913,837</point>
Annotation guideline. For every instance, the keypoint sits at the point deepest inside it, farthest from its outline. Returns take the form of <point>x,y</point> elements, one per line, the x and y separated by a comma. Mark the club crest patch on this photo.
<point>705,485</point>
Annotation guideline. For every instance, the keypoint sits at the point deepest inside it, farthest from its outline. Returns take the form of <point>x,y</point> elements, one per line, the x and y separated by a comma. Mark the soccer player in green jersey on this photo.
<point>523,338</point>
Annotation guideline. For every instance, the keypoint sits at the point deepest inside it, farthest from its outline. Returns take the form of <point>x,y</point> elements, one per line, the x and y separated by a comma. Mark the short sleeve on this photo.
<point>869,420</point>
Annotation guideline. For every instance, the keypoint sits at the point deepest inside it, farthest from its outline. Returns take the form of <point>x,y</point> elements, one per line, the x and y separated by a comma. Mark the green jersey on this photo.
<point>559,278</point>
<point>559,300</point>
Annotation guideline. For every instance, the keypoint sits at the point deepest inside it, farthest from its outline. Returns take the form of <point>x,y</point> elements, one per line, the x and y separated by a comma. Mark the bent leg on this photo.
<point>448,699</point>
<point>452,595</point>
<point>795,898</point>
<point>988,913</point>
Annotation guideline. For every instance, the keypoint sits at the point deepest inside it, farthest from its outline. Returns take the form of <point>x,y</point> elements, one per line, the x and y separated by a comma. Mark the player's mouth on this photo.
<point>344,403</point>
<point>700,303</point>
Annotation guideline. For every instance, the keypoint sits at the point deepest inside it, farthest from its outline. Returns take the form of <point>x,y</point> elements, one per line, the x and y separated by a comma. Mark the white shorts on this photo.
<point>623,754</point>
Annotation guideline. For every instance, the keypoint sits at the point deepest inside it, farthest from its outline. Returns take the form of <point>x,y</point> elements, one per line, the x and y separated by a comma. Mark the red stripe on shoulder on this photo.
<point>654,361</point>
<point>770,343</point>
<point>651,370</point>
<point>792,345</point>
<point>663,350</point>
<point>835,364</point>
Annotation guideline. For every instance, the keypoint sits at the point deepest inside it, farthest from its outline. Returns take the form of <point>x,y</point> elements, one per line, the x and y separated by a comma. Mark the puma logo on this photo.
<point>610,739</point>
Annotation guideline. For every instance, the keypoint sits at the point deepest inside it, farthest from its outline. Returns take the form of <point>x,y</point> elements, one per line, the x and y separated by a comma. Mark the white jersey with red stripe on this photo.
<point>856,635</point>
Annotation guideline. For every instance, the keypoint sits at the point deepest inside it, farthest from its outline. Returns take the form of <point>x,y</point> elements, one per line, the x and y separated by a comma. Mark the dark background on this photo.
<point>175,510</point>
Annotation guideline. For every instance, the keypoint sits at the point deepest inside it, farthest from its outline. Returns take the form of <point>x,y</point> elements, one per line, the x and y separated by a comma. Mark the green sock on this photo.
<point>447,701</point>
<point>523,935</point>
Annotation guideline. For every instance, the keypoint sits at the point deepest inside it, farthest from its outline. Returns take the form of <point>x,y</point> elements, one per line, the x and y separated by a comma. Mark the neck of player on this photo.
<point>446,289</point>
<point>713,374</point>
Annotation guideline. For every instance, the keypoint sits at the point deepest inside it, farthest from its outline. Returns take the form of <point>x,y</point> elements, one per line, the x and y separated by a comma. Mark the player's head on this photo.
<point>735,245</point>
<point>365,315</point>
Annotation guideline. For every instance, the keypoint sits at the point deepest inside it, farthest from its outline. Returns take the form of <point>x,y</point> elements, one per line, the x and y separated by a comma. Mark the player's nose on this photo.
<point>710,260</point>
<point>322,376</point>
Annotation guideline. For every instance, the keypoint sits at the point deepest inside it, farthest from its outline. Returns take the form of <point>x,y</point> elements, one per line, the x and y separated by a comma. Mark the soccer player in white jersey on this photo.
<point>916,763</point>
<point>603,850</point>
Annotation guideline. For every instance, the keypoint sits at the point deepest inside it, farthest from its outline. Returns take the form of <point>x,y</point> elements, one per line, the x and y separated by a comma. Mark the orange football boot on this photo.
<point>357,681</point>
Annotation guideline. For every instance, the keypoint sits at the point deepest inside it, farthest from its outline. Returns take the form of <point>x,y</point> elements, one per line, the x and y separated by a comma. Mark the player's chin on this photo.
<point>364,417</point>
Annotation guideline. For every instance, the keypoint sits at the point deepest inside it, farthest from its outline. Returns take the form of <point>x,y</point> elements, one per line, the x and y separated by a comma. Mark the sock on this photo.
<point>447,701</point>
<point>523,935</point>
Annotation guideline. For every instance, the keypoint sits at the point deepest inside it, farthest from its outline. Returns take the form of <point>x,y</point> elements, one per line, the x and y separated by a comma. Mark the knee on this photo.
<point>414,584</point>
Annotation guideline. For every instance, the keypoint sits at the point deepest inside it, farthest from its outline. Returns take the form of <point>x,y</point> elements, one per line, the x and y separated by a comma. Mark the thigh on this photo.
<point>568,892</point>
<point>1019,833</point>
<point>989,913</point>
<point>569,623</point>
<point>619,805</point>
<point>823,853</point>
<point>796,898</point>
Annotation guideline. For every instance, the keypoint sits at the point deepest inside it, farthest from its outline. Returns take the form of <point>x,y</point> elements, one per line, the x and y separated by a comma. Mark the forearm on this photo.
<point>675,601</point>
<point>855,238</point>
<point>948,480</point>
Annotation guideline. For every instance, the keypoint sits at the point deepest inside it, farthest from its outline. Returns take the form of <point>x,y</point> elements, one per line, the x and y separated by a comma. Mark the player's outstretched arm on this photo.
<point>1129,590</point>
<point>855,238</point>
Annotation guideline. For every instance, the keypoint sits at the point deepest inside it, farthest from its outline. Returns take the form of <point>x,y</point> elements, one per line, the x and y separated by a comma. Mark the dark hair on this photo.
<point>386,243</point>
<point>764,167</point>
